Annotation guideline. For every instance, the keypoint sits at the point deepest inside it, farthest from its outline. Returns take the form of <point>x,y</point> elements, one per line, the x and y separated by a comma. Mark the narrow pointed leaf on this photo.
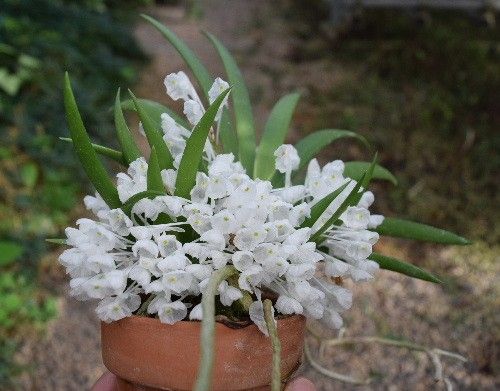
<point>352,199</point>
<point>154,181</point>
<point>153,135</point>
<point>200,72</point>
<point>125,138</point>
<point>86,154</point>
<point>56,241</point>
<point>129,204</point>
<point>186,175</point>
<point>318,208</point>
<point>313,143</point>
<point>395,265</point>
<point>227,135</point>
<point>245,129</point>
<point>274,135</point>
<point>154,110</point>
<point>102,150</point>
<point>411,230</point>
<point>355,170</point>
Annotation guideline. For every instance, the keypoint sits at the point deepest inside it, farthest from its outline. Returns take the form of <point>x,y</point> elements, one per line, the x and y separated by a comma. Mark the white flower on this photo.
<point>287,158</point>
<point>256,312</point>
<point>173,262</point>
<point>179,86</point>
<point>196,313</point>
<point>356,218</point>
<point>177,281</point>
<point>168,178</point>
<point>249,238</point>
<point>375,221</point>
<point>95,204</point>
<point>193,111</point>
<point>224,222</point>
<point>218,88</point>
<point>168,312</point>
<point>136,180</point>
<point>115,308</point>
<point>167,244</point>
<point>117,220</point>
<point>242,260</point>
<point>169,125</point>
<point>228,294</point>
<point>288,305</point>
<point>251,277</point>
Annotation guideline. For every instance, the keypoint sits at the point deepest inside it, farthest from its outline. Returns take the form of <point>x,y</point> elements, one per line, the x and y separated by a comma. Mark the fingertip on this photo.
<point>107,382</point>
<point>301,384</point>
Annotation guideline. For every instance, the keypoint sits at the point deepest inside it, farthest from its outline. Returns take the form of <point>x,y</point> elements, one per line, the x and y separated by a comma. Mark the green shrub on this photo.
<point>39,179</point>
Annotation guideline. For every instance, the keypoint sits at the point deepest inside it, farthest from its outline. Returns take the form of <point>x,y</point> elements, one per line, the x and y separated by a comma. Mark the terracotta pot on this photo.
<point>147,354</point>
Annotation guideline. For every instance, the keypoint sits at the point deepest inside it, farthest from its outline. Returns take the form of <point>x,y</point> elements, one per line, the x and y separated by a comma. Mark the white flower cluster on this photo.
<point>163,254</point>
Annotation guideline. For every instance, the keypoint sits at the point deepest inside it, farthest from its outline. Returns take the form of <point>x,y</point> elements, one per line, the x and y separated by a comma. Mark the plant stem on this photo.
<point>273,334</point>
<point>207,341</point>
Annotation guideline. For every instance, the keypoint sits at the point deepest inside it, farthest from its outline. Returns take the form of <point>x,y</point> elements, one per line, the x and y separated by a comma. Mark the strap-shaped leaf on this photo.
<point>395,265</point>
<point>411,230</point>
<point>352,199</point>
<point>104,151</point>
<point>129,204</point>
<point>318,208</point>
<point>85,152</point>
<point>56,241</point>
<point>200,72</point>
<point>125,138</point>
<point>153,135</point>
<point>154,110</point>
<point>186,175</point>
<point>154,181</point>
<point>355,170</point>
<point>313,143</point>
<point>227,135</point>
<point>274,135</point>
<point>245,128</point>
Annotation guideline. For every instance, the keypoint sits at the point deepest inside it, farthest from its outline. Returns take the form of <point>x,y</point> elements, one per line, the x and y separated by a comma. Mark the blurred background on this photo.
<point>419,79</point>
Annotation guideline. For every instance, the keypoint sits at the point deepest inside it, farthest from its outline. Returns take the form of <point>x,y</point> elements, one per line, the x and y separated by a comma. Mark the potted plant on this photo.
<point>208,257</point>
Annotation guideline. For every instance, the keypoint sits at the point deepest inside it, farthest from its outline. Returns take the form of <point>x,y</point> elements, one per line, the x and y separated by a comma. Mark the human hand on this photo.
<point>107,382</point>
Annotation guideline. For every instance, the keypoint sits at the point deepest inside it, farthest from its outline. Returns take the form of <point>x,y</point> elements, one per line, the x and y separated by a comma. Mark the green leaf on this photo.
<point>154,181</point>
<point>245,129</point>
<point>85,152</point>
<point>130,150</point>
<point>411,230</point>
<point>200,72</point>
<point>318,208</point>
<point>56,241</point>
<point>227,135</point>
<point>313,143</point>
<point>186,174</point>
<point>395,265</point>
<point>274,135</point>
<point>355,170</point>
<point>153,135</point>
<point>352,199</point>
<point>104,151</point>
<point>129,204</point>
<point>154,111</point>
<point>9,252</point>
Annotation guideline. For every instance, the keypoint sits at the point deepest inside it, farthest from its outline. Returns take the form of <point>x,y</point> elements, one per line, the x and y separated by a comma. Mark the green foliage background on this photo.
<point>39,182</point>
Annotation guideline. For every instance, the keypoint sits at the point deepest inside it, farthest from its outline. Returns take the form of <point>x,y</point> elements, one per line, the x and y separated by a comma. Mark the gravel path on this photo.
<point>68,358</point>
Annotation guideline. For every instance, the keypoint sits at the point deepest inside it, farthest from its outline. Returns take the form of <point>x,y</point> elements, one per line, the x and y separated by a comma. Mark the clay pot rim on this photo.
<point>181,323</point>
